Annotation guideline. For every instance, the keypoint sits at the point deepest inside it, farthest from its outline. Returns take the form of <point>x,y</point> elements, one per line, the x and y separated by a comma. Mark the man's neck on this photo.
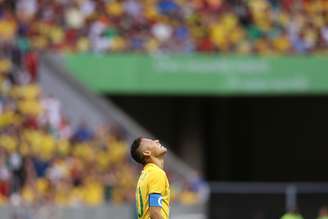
<point>157,161</point>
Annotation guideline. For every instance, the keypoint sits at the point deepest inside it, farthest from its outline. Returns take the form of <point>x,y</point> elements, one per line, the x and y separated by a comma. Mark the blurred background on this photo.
<point>236,89</point>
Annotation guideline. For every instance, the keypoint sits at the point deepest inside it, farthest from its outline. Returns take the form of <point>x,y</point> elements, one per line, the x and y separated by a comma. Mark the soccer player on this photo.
<point>153,189</point>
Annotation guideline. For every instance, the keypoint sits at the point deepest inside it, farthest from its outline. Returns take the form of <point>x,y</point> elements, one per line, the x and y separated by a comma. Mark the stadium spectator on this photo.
<point>31,62</point>
<point>83,133</point>
<point>323,213</point>
<point>292,214</point>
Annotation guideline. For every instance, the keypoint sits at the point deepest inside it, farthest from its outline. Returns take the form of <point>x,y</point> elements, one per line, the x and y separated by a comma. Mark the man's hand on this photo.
<point>155,212</point>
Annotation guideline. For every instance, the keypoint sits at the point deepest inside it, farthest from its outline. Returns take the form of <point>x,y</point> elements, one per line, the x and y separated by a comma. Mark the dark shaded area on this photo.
<point>253,206</point>
<point>309,204</point>
<point>241,139</point>
<point>262,206</point>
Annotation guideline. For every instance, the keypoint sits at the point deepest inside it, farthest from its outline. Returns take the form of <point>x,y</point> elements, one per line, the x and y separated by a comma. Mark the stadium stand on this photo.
<point>237,26</point>
<point>42,158</point>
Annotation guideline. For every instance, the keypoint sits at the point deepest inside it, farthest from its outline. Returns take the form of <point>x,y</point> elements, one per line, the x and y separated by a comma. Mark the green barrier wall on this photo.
<point>200,74</point>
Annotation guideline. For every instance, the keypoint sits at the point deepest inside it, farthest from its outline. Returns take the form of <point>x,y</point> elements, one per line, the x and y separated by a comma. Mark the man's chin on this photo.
<point>164,151</point>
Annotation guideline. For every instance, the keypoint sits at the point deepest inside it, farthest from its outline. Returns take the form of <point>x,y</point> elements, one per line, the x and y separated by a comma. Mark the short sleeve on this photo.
<point>156,182</point>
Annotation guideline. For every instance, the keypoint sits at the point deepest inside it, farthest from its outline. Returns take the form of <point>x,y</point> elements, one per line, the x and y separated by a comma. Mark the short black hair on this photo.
<point>135,152</point>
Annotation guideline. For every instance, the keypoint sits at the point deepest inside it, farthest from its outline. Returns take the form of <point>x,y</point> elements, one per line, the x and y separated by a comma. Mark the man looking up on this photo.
<point>153,189</point>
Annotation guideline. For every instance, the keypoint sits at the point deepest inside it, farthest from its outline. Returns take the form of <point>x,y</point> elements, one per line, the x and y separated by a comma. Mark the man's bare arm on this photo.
<point>155,213</point>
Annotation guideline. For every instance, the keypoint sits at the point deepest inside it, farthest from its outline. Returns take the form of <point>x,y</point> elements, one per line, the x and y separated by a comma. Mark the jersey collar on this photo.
<point>151,165</point>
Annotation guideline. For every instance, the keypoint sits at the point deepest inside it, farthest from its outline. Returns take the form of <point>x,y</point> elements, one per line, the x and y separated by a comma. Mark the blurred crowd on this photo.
<point>43,159</point>
<point>184,26</point>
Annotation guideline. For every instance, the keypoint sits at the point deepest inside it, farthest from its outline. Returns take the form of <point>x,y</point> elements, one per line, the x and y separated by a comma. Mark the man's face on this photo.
<point>153,147</point>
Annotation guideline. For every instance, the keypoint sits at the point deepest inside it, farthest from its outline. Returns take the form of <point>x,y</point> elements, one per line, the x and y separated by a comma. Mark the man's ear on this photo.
<point>147,153</point>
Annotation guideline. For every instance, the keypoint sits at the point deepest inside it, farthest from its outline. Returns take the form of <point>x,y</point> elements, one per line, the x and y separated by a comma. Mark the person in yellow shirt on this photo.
<point>323,213</point>
<point>292,214</point>
<point>153,189</point>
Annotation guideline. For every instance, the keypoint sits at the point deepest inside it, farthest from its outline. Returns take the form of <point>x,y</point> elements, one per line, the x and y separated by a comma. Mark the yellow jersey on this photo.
<point>153,189</point>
